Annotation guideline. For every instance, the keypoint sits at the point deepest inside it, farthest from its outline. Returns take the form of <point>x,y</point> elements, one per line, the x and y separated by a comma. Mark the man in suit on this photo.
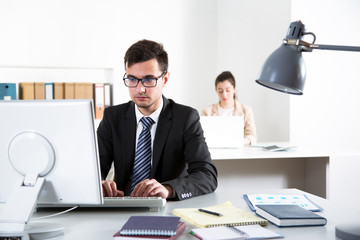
<point>180,165</point>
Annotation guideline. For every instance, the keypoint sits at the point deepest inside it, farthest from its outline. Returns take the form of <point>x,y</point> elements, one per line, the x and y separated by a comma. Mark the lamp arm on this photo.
<point>308,47</point>
<point>335,47</point>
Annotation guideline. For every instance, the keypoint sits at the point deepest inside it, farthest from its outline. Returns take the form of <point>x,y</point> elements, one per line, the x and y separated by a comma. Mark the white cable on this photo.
<point>55,214</point>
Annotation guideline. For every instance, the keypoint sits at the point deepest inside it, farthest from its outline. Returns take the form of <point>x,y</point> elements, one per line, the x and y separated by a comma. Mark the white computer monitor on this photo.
<point>54,142</point>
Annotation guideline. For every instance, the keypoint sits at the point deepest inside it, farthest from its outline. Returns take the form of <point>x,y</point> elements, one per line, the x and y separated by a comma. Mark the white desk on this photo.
<point>305,168</point>
<point>321,171</point>
<point>103,224</point>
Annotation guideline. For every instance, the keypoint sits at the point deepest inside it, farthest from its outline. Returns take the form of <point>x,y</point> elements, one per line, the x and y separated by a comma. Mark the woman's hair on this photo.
<point>226,76</point>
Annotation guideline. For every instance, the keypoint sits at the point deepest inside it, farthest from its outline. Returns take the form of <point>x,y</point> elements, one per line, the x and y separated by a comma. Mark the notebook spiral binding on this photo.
<point>263,222</point>
<point>242,234</point>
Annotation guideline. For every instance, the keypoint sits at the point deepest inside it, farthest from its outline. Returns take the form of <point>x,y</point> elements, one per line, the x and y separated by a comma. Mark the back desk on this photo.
<point>251,168</point>
<point>304,168</point>
<point>101,224</point>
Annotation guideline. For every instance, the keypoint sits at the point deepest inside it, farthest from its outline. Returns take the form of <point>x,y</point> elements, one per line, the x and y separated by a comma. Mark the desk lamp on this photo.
<point>284,71</point>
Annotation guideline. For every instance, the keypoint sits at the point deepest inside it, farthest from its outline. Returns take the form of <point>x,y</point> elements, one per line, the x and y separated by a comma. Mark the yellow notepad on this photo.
<point>231,215</point>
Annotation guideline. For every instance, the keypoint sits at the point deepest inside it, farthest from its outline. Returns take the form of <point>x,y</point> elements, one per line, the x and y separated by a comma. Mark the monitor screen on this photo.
<point>55,139</point>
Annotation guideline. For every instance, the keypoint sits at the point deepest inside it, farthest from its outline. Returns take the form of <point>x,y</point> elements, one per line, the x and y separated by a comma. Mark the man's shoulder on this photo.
<point>118,110</point>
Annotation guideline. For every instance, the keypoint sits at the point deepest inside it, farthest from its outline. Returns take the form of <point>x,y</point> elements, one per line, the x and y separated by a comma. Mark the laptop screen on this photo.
<point>223,131</point>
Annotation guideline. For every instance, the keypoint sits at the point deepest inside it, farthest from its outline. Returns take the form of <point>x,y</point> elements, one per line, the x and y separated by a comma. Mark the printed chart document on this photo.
<point>297,199</point>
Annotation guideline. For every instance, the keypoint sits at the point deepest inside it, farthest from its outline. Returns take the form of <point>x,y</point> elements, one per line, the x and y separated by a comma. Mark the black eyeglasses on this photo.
<point>133,82</point>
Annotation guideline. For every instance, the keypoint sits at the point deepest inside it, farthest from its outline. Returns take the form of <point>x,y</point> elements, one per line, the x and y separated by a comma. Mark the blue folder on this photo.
<point>7,91</point>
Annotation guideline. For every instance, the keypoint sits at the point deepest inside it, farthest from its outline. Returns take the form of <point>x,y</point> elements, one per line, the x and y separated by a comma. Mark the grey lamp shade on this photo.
<point>284,70</point>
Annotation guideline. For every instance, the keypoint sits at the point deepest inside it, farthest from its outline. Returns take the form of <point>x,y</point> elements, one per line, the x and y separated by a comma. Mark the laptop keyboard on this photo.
<point>153,203</point>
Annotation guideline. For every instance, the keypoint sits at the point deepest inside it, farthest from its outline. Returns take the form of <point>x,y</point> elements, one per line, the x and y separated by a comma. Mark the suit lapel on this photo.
<point>129,135</point>
<point>162,132</point>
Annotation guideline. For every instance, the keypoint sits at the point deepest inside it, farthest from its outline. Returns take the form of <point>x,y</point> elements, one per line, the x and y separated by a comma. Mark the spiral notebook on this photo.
<point>231,216</point>
<point>150,226</point>
<point>180,228</point>
<point>235,233</point>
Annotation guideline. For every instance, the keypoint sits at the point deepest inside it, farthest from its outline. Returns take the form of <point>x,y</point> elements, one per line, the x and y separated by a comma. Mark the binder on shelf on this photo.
<point>59,90</point>
<point>83,90</point>
<point>39,90</point>
<point>27,91</point>
<point>69,90</point>
<point>49,91</point>
<point>7,91</point>
<point>107,94</point>
<point>99,100</point>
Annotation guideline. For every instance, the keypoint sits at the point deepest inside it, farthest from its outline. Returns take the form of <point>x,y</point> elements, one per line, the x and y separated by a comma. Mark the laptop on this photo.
<point>223,132</point>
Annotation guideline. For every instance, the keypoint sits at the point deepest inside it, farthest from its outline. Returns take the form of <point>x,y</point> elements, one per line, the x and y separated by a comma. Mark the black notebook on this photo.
<point>180,228</point>
<point>289,215</point>
<point>151,226</point>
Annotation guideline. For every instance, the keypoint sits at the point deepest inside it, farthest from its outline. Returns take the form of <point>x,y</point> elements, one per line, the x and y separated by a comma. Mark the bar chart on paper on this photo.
<point>280,199</point>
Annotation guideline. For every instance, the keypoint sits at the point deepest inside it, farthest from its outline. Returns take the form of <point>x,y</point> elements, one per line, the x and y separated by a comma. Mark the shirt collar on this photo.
<point>155,115</point>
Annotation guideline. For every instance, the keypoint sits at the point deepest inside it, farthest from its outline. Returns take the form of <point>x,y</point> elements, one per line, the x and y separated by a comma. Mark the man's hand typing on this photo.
<point>110,190</point>
<point>152,188</point>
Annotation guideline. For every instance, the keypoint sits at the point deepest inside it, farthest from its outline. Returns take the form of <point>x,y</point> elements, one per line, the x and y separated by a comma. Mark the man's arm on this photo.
<point>201,175</point>
<point>104,136</point>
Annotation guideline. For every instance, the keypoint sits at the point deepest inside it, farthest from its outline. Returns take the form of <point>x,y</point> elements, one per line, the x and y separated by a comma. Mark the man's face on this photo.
<point>147,99</point>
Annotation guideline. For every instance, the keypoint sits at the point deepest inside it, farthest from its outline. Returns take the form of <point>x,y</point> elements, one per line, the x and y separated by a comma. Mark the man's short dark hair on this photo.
<point>145,50</point>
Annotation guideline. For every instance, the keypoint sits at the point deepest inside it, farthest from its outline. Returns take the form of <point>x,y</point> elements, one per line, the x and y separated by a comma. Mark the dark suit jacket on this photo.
<point>181,157</point>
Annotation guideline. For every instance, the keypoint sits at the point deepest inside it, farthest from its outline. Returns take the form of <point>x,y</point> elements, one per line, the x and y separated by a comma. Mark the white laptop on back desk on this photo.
<point>223,132</point>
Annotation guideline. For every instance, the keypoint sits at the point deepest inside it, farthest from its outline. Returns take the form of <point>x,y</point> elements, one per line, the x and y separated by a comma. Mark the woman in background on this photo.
<point>228,106</point>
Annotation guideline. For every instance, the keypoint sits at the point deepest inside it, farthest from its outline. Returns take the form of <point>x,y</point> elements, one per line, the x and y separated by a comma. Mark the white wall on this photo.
<point>328,114</point>
<point>97,33</point>
<point>248,31</point>
<point>202,37</point>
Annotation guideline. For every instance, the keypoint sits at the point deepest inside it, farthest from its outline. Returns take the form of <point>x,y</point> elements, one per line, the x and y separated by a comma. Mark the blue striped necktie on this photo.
<point>142,163</point>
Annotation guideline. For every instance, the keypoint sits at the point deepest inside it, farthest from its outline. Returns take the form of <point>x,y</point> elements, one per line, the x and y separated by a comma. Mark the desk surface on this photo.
<point>101,224</point>
<point>257,152</point>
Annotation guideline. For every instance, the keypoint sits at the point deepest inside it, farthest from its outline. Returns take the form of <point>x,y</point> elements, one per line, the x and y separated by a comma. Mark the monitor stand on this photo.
<point>36,231</point>
<point>14,217</point>
<point>21,203</point>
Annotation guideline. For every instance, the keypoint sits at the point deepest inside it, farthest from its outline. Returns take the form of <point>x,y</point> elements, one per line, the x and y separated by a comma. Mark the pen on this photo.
<point>210,212</point>
<point>196,235</point>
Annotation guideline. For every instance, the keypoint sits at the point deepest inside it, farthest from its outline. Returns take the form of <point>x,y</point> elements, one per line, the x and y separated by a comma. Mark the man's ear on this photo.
<point>166,77</point>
